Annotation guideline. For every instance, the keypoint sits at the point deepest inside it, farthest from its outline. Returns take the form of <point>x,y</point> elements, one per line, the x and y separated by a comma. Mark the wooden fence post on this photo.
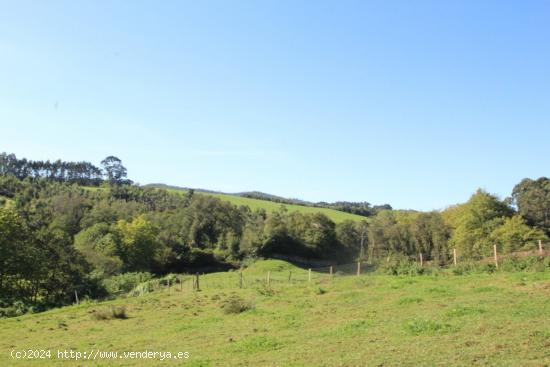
<point>181,284</point>
<point>309,275</point>
<point>358,268</point>
<point>454,256</point>
<point>496,255</point>
<point>268,279</point>
<point>540,247</point>
<point>197,282</point>
<point>76,297</point>
<point>331,270</point>
<point>421,260</point>
<point>168,285</point>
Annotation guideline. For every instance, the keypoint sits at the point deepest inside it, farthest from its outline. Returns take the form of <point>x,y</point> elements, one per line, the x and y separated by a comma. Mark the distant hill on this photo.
<point>172,187</point>
<point>268,205</point>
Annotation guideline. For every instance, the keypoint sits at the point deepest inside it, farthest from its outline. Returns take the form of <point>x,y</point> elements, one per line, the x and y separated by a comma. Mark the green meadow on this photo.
<point>498,319</point>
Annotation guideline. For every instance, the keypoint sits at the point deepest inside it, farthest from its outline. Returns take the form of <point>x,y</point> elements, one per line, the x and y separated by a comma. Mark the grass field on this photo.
<point>270,206</point>
<point>499,319</point>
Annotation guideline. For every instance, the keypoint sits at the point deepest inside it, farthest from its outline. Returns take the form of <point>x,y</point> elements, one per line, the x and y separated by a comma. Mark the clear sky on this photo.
<point>412,103</point>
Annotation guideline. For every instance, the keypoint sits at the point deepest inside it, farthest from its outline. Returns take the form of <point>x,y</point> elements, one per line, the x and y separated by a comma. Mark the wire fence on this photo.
<point>280,277</point>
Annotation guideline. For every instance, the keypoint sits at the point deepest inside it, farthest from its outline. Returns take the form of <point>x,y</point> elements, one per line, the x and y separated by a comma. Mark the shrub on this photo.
<point>531,263</point>
<point>169,279</point>
<point>319,291</point>
<point>14,309</point>
<point>235,304</point>
<point>464,268</point>
<point>512,264</point>
<point>113,312</point>
<point>124,283</point>
<point>263,289</point>
<point>405,266</point>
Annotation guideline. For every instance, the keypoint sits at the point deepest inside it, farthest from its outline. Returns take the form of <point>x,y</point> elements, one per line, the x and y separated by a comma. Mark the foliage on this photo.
<point>478,218</point>
<point>532,198</point>
<point>126,282</point>
<point>14,309</point>
<point>235,304</point>
<point>515,235</point>
<point>113,312</point>
<point>403,266</point>
<point>393,233</point>
<point>138,246</point>
<point>83,173</point>
<point>509,264</point>
<point>115,172</point>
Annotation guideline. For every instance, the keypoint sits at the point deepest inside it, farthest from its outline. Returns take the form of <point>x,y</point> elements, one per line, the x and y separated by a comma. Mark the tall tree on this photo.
<point>532,198</point>
<point>476,221</point>
<point>114,170</point>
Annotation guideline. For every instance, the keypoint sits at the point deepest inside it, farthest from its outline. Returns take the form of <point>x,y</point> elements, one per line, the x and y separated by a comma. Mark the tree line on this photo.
<point>83,173</point>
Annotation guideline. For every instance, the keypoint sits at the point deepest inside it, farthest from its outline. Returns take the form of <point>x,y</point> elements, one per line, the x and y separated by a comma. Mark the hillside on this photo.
<point>270,206</point>
<point>495,319</point>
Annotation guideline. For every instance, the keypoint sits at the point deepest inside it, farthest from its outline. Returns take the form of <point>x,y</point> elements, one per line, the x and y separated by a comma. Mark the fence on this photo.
<point>282,277</point>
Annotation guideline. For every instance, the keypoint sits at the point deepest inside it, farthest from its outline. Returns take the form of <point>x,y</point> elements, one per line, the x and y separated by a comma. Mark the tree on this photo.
<point>59,268</point>
<point>348,235</point>
<point>363,231</point>
<point>138,244</point>
<point>99,245</point>
<point>15,252</point>
<point>320,234</point>
<point>113,169</point>
<point>430,235</point>
<point>253,233</point>
<point>533,202</point>
<point>475,222</point>
<point>515,235</point>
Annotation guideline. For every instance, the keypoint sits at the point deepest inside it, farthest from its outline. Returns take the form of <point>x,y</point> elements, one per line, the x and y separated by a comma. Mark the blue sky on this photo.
<point>416,104</point>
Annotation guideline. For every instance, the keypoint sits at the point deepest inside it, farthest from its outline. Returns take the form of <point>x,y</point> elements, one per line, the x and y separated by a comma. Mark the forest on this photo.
<point>67,226</point>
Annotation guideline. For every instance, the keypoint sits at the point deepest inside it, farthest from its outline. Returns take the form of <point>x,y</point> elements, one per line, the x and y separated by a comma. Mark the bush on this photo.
<point>235,304</point>
<point>404,266</point>
<point>113,312</point>
<point>319,291</point>
<point>169,279</point>
<point>512,264</point>
<point>14,309</point>
<point>125,283</point>
<point>464,268</point>
<point>531,263</point>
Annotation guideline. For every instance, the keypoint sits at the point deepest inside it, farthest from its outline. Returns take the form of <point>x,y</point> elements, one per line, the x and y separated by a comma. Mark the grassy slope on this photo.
<point>485,320</point>
<point>269,206</point>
